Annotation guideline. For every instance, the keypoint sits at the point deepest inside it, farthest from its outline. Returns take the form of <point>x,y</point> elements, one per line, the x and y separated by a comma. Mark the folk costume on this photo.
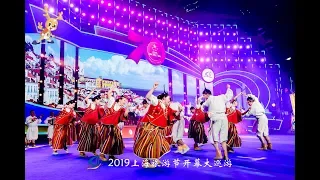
<point>234,116</point>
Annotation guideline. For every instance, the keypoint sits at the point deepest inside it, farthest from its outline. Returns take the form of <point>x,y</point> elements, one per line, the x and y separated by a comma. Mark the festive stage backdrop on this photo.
<point>80,59</point>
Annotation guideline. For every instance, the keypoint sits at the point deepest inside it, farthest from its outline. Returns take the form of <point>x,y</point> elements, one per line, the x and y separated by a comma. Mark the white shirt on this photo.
<point>31,123</point>
<point>47,120</point>
<point>154,101</point>
<point>217,104</point>
<point>256,107</point>
<point>142,111</point>
<point>111,101</point>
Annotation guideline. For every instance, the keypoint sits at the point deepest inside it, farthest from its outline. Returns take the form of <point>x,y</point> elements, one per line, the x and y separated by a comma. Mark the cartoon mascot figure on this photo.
<point>50,25</point>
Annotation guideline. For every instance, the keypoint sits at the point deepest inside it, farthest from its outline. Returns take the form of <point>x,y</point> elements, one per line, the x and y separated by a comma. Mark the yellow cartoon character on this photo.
<point>50,25</point>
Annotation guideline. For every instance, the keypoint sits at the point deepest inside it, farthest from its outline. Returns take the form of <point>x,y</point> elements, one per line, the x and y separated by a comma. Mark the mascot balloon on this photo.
<point>51,24</point>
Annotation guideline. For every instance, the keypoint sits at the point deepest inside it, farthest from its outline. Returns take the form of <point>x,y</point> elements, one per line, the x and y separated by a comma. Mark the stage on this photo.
<point>247,163</point>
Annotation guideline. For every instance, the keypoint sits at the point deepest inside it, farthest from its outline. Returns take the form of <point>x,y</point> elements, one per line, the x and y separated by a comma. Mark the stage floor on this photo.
<point>247,163</point>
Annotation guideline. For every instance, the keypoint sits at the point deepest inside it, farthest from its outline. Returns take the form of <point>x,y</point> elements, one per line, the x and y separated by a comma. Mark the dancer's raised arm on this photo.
<point>153,100</point>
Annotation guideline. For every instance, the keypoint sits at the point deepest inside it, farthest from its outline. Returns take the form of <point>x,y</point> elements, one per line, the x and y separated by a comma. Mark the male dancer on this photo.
<point>50,121</point>
<point>218,131</point>
<point>257,110</point>
<point>32,132</point>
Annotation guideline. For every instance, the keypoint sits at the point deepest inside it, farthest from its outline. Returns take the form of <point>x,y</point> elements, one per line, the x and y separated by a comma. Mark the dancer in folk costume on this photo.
<point>178,128</point>
<point>218,130</point>
<point>32,132</point>
<point>140,112</point>
<point>111,137</point>
<point>50,121</point>
<point>61,136</point>
<point>234,116</point>
<point>150,143</point>
<point>256,109</point>
<point>168,133</point>
<point>196,127</point>
<point>89,133</point>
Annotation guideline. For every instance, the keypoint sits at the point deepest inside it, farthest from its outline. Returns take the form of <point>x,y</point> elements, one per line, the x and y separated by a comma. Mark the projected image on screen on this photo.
<point>177,86</point>
<point>69,70</point>
<point>32,67</point>
<point>98,69</point>
<point>51,84</point>
<point>191,90</point>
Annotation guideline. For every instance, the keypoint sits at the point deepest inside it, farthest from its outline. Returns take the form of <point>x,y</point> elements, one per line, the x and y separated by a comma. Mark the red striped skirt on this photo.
<point>89,138</point>
<point>197,132</point>
<point>138,130</point>
<point>151,142</point>
<point>168,133</point>
<point>233,138</point>
<point>111,140</point>
<point>61,136</point>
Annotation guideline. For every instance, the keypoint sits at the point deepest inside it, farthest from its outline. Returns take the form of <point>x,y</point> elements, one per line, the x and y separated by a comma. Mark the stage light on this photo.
<point>214,33</point>
<point>158,36</point>
<point>190,44</point>
<point>218,34</point>
<point>76,9</point>
<point>165,38</point>
<point>174,26</point>
<point>207,46</point>
<point>65,0</point>
<point>92,16</point>
<point>247,46</point>
<point>102,19</point>
<point>118,24</point>
<point>151,34</point>
<point>249,60</point>
<point>102,2</point>
<point>51,10</point>
<point>132,28</point>
<point>146,32</point>
<point>190,32</point>
<point>139,14</point>
<point>236,60</point>
<point>240,47</point>
<point>200,33</point>
<point>185,29</point>
<point>109,4</point>
<point>220,46</point>
<point>208,59</point>
<point>195,33</point>
<point>221,59</point>
<point>228,59</point>
<point>185,43</point>
<point>117,7</point>
<point>214,46</point>
<point>146,17</point>
<point>88,24</point>
<point>288,59</point>
<point>151,19</point>
<point>132,12</point>
<point>262,60</point>
<point>71,5</point>
<point>255,60</point>
<point>207,34</point>
<point>195,46</point>
<point>158,21</point>
<point>163,23</point>
<point>181,42</point>
<point>175,40</point>
<point>181,28</point>
<point>201,46</point>
<point>201,59</point>
<point>64,9</point>
<point>234,34</point>
<point>139,30</point>
<point>170,39</point>
<point>241,60</point>
<point>74,18</point>
<point>124,9</point>
<point>227,34</point>
<point>228,46</point>
<point>235,46</point>
<point>125,26</point>
<point>215,59</point>
<point>273,105</point>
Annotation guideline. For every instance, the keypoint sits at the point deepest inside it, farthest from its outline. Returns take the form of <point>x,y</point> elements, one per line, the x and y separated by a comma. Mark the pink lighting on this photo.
<point>163,23</point>
<point>92,16</point>
<point>215,59</point>
<point>200,33</point>
<point>158,35</point>
<point>185,29</point>
<point>227,34</point>
<point>241,60</point>
<point>124,9</point>
<point>170,39</point>
<point>255,60</point>
<point>163,37</point>
<point>174,26</point>
<point>139,14</point>
<point>139,30</point>
<point>208,59</point>
<point>190,44</point>
<point>195,33</point>
<point>207,46</point>
<point>102,19</point>
<point>109,21</point>
<point>132,28</point>
<point>220,46</point>
<point>146,17</point>
<point>181,42</point>
<point>125,26</point>
<point>76,9</point>
<point>146,32</point>
<point>249,60</point>
<point>158,21</point>
<point>240,47</point>
<point>214,46</point>
<point>214,33</point>
<point>185,43</point>
<point>181,28</point>
<point>109,4</point>
<point>228,47</point>
<point>218,34</point>
<point>234,34</point>
<point>51,10</point>
<point>83,14</point>
<point>117,7</point>
<point>248,47</point>
<point>207,34</point>
<point>201,46</point>
<point>235,47</point>
<point>151,34</point>
<point>102,2</point>
<point>132,12</point>
<point>169,25</point>
<point>228,59</point>
<point>195,46</point>
<point>151,19</point>
<point>71,5</point>
<point>190,32</point>
<point>262,60</point>
<point>118,24</point>
<point>175,40</point>
<point>201,59</point>
<point>221,59</point>
<point>65,0</point>
<point>236,60</point>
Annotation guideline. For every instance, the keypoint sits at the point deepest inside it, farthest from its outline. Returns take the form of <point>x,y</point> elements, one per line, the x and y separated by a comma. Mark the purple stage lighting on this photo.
<point>201,46</point>
<point>109,21</point>
<point>200,33</point>
<point>228,46</point>
<point>51,10</point>
<point>201,59</point>
<point>262,59</point>
<point>92,16</point>
<point>139,14</point>
<point>102,2</point>
<point>214,46</point>
<point>240,47</point>
<point>109,4</point>
<point>220,46</point>
<point>248,47</point>
<point>207,34</point>
<point>71,5</point>
<point>124,9</point>
<point>208,59</point>
<point>102,19</point>
<point>125,26</point>
<point>214,33</point>
<point>83,14</point>
<point>118,24</point>
<point>207,46</point>
<point>65,0</point>
<point>76,9</point>
<point>234,34</point>
<point>117,7</point>
<point>227,34</point>
<point>139,30</point>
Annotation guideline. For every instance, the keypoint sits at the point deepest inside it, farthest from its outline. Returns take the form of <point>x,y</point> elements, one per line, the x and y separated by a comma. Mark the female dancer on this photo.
<point>140,112</point>
<point>234,116</point>
<point>196,127</point>
<point>32,131</point>
<point>150,143</point>
<point>89,134</point>
<point>178,128</point>
<point>257,110</point>
<point>111,138</point>
<point>50,121</point>
<point>61,138</point>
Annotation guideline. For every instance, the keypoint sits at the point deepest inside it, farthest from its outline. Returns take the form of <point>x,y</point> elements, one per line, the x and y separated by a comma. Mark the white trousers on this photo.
<point>50,131</point>
<point>218,129</point>
<point>263,128</point>
<point>178,130</point>
<point>32,133</point>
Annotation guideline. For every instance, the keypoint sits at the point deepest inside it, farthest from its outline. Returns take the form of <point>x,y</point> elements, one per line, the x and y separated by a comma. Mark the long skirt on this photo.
<point>61,136</point>
<point>197,132</point>
<point>138,130</point>
<point>168,134</point>
<point>50,131</point>
<point>89,138</point>
<point>111,140</point>
<point>233,138</point>
<point>32,133</point>
<point>151,142</point>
